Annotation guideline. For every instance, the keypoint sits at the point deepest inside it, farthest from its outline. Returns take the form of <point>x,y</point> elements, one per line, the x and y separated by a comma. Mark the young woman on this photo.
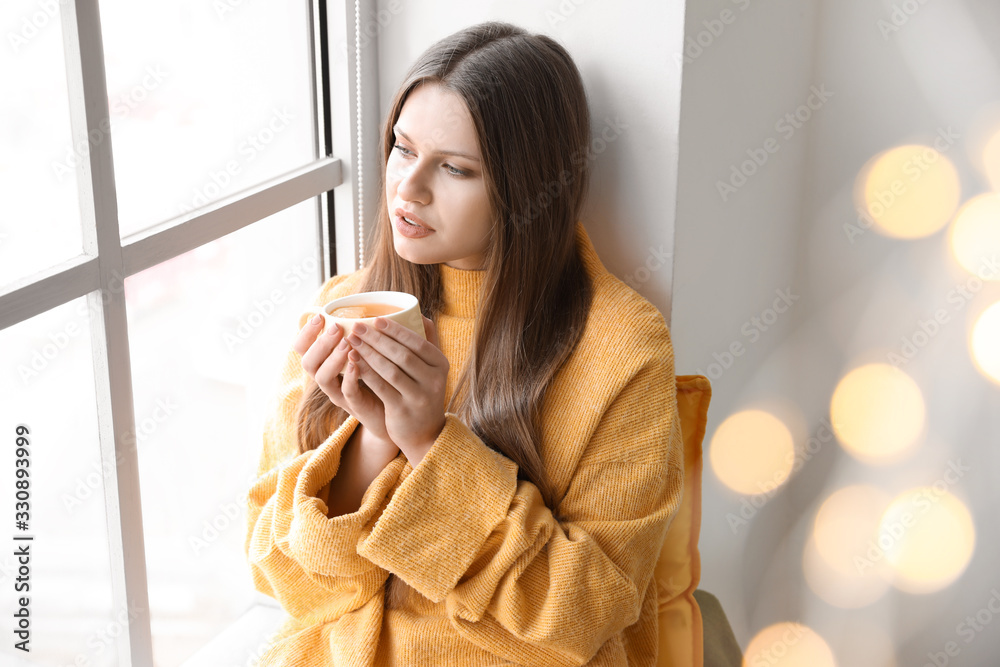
<point>496,494</point>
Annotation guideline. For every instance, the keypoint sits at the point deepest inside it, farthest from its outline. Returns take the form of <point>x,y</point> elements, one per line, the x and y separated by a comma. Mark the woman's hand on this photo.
<point>407,374</point>
<point>323,355</point>
<point>403,401</point>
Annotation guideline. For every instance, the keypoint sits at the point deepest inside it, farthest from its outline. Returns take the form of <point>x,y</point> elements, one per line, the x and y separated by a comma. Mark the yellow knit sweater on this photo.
<point>493,578</point>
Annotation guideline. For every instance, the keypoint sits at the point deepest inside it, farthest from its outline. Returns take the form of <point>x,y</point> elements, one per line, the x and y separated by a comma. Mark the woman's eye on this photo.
<point>406,152</point>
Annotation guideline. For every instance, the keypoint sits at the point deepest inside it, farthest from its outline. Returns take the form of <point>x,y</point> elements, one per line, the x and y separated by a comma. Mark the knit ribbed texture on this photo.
<point>492,578</point>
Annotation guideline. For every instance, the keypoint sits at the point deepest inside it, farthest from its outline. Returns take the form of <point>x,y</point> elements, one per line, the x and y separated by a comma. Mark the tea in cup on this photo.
<point>346,311</point>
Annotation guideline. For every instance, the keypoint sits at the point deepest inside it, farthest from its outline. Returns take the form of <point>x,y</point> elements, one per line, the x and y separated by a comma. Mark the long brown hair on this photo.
<point>529,107</point>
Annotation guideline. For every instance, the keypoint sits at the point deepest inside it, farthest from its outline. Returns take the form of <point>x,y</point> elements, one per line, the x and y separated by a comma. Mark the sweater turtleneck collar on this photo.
<point>460,289</point>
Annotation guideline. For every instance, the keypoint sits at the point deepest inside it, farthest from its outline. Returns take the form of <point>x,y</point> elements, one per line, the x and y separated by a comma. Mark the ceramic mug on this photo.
<point>352,308</point>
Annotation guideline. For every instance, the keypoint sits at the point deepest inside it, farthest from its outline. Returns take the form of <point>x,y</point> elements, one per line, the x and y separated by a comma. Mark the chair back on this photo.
<point>678,569</point>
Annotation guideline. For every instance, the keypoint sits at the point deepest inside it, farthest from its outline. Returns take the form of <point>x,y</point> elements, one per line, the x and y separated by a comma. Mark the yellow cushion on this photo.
<point>678,570</point>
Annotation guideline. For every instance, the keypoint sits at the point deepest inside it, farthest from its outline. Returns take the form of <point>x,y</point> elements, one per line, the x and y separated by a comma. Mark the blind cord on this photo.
<point>358,163</point>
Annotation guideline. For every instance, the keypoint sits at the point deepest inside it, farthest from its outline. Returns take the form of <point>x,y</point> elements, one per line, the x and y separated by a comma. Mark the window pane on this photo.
<point>49,387</point>
<point>40,224</point>
<point>208,331</point>
<point>206,98</point>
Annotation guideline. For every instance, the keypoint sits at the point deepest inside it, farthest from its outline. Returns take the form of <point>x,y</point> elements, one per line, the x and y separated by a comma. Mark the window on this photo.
<point>168,181</point>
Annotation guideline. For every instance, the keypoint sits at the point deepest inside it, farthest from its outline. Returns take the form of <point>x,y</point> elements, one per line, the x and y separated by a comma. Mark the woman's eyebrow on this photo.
<point>395,128</point>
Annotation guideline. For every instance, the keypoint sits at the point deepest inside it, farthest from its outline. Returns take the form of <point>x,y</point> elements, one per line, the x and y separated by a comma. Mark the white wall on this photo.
<point>620,51</point>
<point>784,229</point>
<point>756,65</point>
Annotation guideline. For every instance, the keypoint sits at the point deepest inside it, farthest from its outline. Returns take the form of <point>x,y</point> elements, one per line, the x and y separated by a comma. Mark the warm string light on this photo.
<point>752,452</point>
<point>878,413</point>
<point>909,192</point>
<point>789,645</point>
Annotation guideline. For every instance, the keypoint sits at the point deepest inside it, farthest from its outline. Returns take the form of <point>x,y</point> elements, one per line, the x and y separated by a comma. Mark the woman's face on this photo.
<point>434,177</point>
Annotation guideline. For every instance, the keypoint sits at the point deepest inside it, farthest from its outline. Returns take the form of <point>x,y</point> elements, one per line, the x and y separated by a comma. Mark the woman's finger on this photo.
<point>385,391</point>
<point>430,330</point>
<point>418,358</point>
<point>351,391</point>
<point>308,334</point>
<point>349,386</point>
<point>321,349</point>
<point>425,349</point>
<point>327,375</point>
<point>362,403</point>
<point>388,347</point>
<point>388,369</point>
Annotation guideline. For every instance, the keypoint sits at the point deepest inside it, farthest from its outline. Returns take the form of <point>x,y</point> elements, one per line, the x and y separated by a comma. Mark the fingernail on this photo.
<point>317,318</point>
<point>343,344</point>
<point>333,331</point>
<point>354,355</point>
<point>360,328</point>
<point>353,340</point>
<point>381,323</point>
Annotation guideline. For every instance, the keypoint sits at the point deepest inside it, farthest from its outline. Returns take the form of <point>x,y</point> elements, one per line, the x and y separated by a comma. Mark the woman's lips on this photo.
<point>411,231</point>
<point>413,217</point>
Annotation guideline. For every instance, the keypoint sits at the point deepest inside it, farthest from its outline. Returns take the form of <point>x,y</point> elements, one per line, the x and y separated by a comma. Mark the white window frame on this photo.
<point>345,99</point>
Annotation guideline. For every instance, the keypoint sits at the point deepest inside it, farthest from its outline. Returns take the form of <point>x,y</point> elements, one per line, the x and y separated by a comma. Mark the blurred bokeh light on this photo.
<point>752,452</point>
<point>985,343</point>
<point>788,645</point>
<point>910,191</point>
<point>840,561</point>
<point>877,413</point>
<point>928,537</point>
<point>975,236</point>
<point>991,160</point>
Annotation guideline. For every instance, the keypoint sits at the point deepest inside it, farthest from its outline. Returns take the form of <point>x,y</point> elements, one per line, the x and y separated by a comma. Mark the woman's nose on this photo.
<point>413,184</point>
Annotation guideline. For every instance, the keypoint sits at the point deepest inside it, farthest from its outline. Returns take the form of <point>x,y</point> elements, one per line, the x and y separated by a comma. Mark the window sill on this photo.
<point>244,640</point>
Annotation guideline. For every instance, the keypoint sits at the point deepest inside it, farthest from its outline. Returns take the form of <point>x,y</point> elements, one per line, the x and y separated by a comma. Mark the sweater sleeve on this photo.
<point>461,528</point>
<point>297,555</point>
